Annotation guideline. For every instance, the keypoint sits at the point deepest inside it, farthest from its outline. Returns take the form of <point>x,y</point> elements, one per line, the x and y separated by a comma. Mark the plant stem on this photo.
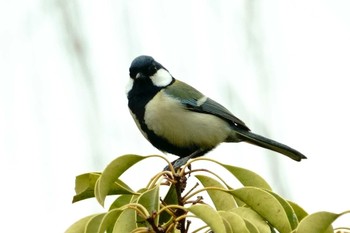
<point>179,187</point>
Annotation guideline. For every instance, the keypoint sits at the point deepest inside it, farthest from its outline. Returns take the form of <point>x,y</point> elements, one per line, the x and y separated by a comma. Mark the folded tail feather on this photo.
<point>270,144</point>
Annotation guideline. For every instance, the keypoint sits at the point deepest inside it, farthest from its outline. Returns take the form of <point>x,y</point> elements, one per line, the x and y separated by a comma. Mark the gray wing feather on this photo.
<point>212,107</point>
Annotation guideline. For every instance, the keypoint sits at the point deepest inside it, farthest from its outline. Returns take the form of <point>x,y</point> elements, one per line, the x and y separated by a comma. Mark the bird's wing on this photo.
<point>194,100</point>
<point>212,107</point>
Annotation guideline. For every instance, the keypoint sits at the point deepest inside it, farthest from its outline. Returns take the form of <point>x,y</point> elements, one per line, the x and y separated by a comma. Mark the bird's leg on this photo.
<point>182,161</point>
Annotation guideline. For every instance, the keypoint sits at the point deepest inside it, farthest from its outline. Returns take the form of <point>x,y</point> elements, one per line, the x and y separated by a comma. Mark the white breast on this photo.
<point>167,118</point>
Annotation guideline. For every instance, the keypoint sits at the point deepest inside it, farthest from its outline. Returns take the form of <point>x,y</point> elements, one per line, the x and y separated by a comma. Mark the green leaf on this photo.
<point>292,217</point>
<point>94,223</point>
<point>109,220</point>
<point>320,222</point>
<point>86,181</point>
<point>236,222</point>
<point>300,212</point>
<point>246,177</point>
<point>111,174</point>
<point>221,200</point>
<point>149,200</point>
<point>80,225</point>
<point>126,221</point>
<point>208,215</point>
<point>85,186</point>
<point>121,201</point>
<point>251,227</point>
<point>228,228</point>
<point>170,199</point>
<point>253,217</point>
<point>265,204</point>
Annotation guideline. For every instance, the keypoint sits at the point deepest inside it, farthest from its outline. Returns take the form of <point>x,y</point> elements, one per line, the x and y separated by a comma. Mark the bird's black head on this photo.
<point>147,78</point>
<point>143,66</point>
<point>144,71</point>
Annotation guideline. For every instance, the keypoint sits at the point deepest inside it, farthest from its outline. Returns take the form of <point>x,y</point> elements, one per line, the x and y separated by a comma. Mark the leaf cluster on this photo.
<point>253,208</point>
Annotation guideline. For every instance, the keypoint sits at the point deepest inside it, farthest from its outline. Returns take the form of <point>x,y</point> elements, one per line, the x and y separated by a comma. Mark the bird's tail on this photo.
<point>267,143</point>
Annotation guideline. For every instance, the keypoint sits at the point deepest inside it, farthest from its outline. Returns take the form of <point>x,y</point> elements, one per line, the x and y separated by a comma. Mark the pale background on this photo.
<point>281,66</point>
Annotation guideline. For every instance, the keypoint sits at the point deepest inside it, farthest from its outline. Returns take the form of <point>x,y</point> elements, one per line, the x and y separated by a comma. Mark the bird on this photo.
<point>178,119</point>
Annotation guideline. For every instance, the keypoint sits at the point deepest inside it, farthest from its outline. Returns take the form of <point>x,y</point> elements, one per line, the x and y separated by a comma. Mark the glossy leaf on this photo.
<point>253,217</point>
<point>300,212</point>
<point>85,181</point>
<point>85,186</point>
<point>170,198</point>
<point>111,174</point>
<point>265,204</point>
<point>228,228</point>
<point>126,222</point>
<point>251,227</point>
<point>221,200</point>
<point>236,222</point>
<point>150,200</point>
<point>292,217</point>
<point>94,223</point>
<point>320,222</point>
<point>80,225</point>
<point>109,220</point>
<point>246,177</point>
<point>121,201</point>
<point>208,215</point>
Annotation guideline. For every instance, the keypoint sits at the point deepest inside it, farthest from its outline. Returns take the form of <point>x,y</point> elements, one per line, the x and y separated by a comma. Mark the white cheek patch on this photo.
<point>129,85</point>
<point>162,78</point>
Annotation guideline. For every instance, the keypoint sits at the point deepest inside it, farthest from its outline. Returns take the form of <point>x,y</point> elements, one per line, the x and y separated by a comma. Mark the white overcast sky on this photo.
<point>281,66</point>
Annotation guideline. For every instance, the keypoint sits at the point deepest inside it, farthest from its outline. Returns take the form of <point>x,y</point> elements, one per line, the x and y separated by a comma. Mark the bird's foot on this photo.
<point>176,164</point>
<point>183,160</point>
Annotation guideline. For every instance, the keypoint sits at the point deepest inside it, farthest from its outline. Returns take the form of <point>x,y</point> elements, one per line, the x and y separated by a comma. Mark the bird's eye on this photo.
<point>152,70</point>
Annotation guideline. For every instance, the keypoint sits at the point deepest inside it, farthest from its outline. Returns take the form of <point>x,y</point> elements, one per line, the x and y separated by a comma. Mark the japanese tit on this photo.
<point>178,119</point>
